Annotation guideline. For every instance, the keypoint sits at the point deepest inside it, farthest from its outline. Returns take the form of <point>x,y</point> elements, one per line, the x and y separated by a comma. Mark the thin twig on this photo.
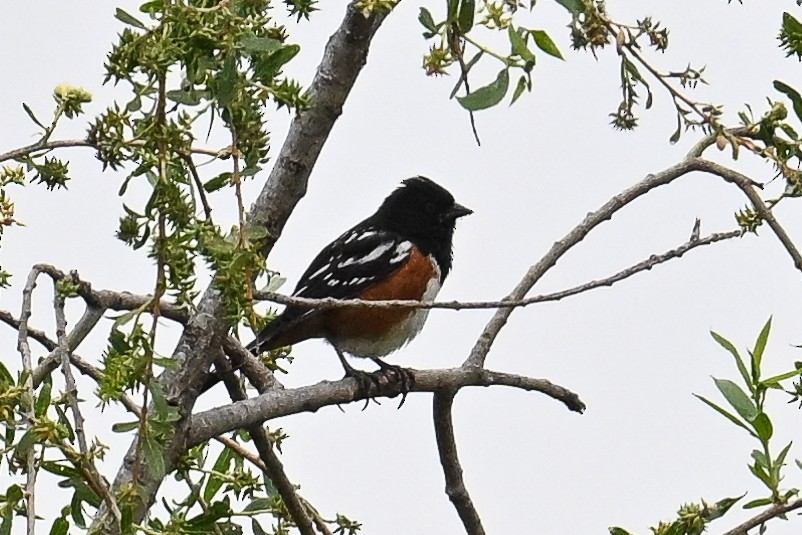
<point>746,185</point>
<point>452,470</point>
<point>193,171</point>
<point>69,143</point>
<point>577,234</point>
<point>760,519</point>
<point>644,265</point>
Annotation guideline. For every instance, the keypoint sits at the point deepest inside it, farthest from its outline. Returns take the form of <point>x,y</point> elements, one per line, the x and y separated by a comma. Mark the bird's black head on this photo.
<point>424,213</point>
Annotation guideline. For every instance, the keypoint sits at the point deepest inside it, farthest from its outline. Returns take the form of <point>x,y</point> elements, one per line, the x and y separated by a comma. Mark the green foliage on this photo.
<point>746,398</point>
<point>692,518</point>
<point>791,36</point>
<point>454,41</point>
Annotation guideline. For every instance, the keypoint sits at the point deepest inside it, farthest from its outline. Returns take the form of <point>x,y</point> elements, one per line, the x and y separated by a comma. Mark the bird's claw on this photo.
<point>369,384</point>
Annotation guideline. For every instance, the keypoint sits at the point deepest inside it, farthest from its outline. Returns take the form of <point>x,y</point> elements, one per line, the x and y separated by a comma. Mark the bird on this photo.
<point>401,252</point>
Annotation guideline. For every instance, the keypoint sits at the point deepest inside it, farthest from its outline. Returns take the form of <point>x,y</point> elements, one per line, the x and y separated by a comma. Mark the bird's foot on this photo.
<point>404,377</point>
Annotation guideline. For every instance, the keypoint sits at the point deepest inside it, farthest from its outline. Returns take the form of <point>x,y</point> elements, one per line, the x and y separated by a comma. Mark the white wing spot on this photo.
<point>370,257</point>
<point>401,251</point>
<point>327,276</point>
<point>319,271</point>
<point>351,237</point>
<point>366,235</point>
<point>333,282</point>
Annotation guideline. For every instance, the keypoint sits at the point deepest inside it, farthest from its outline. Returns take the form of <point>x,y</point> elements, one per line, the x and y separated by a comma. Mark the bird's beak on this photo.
<point>457,211</point>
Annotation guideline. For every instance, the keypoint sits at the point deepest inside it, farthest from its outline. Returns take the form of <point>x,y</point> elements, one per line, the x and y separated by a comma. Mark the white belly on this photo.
<point>402,334</point>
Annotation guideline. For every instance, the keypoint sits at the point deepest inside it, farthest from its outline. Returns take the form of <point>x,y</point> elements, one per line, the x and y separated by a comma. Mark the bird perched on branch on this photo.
<point>403,251</point>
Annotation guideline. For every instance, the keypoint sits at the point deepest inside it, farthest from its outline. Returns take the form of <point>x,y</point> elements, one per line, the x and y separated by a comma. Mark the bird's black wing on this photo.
<point>346,267</point>
<point>352,263</point>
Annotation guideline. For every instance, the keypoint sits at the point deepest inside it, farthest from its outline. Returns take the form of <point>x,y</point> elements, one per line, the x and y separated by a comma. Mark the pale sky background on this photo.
<point>635,353</point>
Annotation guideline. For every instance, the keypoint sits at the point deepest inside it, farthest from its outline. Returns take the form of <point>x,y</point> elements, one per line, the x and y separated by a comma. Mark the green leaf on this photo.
<point>426,20</point>
<point>772,381</point>
<point>221,465</point>
<point>757,352</point>
<point>187,98</point>
<point>725,413</point>
<point>260,44</point>
<point>129,19</point>
<point>154,457</point>
<point>218,182</point>
<point>518,44</point>
<point>519,89</point>
<point>792,94</point>
<point>762,425</point>
<point>257,528</point>
<point>125,427</point>
<point>269,67</point>
<point>453,6</point>
<point>60,526</point>
<point>6,378</point>
<point>227,81</point>
<point>489,95</point>
<point>544,43</point>
<point>258,504</point>
<point>29,111</point>
<point>467,10</point>
<point>721,507</point>
<point>575,7</point>
<point>60,469</point>
<point>737,398</point>
<point>726,344</point>
<point>618,531</point>
<point>43,399</point>
<point>760,502</point>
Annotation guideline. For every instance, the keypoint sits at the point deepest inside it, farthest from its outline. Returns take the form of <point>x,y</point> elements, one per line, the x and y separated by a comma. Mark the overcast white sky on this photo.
<point>635,353</point>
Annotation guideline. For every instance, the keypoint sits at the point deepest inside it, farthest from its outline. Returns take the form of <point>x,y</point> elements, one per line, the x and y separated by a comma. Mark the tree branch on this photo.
<point>760,519</point>
<point>447,448</point>
<point>746,185</point>
<point>644,265</point>
<point>72,143</point>
<point>311,398</point>
<point>274,469</point>
<point>577,234</point>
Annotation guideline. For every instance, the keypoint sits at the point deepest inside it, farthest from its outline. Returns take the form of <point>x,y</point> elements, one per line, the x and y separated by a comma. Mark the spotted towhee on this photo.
<point>403,251</point>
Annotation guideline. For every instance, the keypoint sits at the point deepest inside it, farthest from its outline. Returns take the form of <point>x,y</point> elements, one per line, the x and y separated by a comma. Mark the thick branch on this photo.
<point>310,398</point>
<point>447,448</point>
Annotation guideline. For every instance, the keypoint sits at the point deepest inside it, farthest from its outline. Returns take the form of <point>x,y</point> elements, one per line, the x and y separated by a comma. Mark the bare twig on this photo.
<point>452,470</point>
<point>277,403</point>
<point>577,234</point>
<point>772,512</point>
<point>644,265</point>
<point>69,143</point>
<point>193,171</point>
<point>746,185</point>
<point>85,462</point>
